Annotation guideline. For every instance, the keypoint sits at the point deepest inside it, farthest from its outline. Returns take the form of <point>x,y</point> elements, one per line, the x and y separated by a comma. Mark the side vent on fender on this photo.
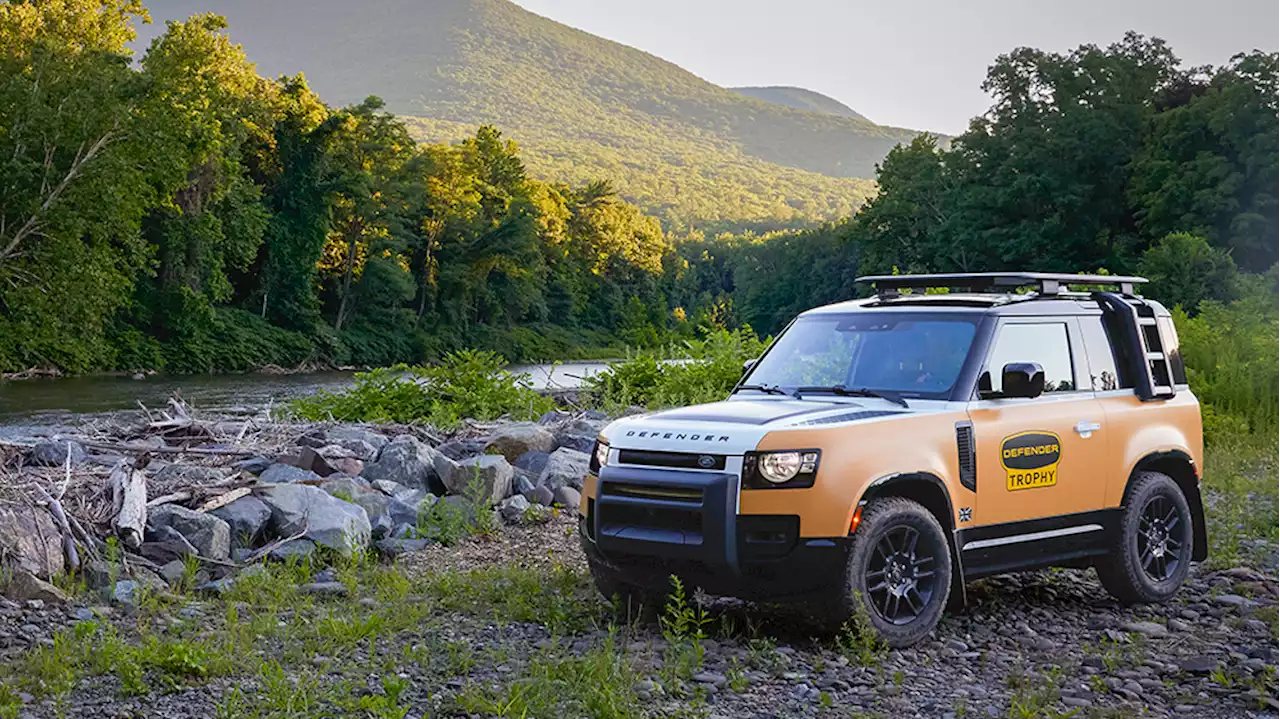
<point>968,456</point>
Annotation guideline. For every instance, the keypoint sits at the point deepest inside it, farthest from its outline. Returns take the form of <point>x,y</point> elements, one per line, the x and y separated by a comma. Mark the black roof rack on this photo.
<point>1046,283</point>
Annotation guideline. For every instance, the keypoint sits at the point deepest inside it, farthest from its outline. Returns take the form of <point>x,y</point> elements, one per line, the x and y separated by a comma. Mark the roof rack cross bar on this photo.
<point>1045,283</point>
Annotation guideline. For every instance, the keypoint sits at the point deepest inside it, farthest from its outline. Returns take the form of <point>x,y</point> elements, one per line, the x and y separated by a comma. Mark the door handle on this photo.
<point>1085,428</point>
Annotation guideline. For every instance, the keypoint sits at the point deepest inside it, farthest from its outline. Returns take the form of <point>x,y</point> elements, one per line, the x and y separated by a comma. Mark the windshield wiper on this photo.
<point>843,391</point>
<point>770,389</point>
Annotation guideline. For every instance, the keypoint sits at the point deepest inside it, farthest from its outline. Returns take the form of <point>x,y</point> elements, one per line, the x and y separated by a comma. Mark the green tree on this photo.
<point>1185,271</point>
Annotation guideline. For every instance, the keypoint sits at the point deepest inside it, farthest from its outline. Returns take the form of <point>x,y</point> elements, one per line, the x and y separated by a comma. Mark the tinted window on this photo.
<point>913,354</point>
<point>1106,368</point>
<point>1045,344</point>
<point>1169,338</point>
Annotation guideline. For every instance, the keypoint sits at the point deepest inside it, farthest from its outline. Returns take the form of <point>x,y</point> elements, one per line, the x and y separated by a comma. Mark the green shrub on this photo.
<point>692,372</point>
<point>467,384</point>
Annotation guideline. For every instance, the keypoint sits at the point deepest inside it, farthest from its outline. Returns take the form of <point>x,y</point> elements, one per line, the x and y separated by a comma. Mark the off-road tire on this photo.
<point>629,599</point>
<point>883,520</point>
<point>1127,572</point>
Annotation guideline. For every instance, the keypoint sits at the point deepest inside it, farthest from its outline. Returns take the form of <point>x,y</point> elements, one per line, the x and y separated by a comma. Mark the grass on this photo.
<point>1240,494</point>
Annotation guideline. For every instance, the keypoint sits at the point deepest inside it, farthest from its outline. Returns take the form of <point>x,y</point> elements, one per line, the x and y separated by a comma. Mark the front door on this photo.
<point>1039,458</point>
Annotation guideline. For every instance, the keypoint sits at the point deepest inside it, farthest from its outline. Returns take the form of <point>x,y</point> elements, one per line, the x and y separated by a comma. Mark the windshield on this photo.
<point>909,354</point>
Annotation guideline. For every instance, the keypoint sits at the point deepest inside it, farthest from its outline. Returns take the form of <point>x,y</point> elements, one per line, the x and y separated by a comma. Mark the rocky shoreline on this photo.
<point>250,593</point>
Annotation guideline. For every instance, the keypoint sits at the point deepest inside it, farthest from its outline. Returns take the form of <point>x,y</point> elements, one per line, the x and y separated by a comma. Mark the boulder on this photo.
<point>347,488</point>
<point>522,485</point>
<point>345,434</point>
<point>53,453</point>
<point>313,438</point>
<point>295,550</point>
<point>325,519</point>
<point>485,479</point>
<point>126,593</point>
<point>554,416</point>
<point>532,462</point>
<point>30,542</point>
<point>247,517</point>
<point>167,544</point>
<point>565,468</point>
<point>392,548</point>
<point>463,448</point>
<point>518,510</point>
<point>253,465</point>
<point>25,587</point>
<point>386,513</point>
<point>513,440</point>
<point>405,461</point>
<point>358,448</point>
<point>464,508</point>
<point>568,497</point>
<point>542,495</point>
<point>174,572</point>
<point>210,535</point>
<point>280,473</point>
<point>581,443</point>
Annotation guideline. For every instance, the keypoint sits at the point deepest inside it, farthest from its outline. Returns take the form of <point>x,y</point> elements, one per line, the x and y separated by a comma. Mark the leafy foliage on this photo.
<point>692,372</point>
<point>467,384</point>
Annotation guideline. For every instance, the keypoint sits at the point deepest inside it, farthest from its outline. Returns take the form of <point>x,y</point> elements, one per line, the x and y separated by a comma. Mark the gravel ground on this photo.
<point>526,637</point>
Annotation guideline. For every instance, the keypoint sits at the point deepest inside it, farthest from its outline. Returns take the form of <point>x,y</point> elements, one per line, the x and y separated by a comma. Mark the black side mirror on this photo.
<point>746,366</point>
<point>1022,379</point>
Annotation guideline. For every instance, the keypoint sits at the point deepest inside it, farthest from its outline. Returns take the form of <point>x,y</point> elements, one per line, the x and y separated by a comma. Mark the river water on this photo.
<point>28,404</point>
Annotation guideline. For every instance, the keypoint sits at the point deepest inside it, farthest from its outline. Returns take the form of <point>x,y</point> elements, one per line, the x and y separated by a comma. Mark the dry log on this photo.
<point>64,528</point>
<point>181,496</point>
<point>129,497</point>
<point>223,500</point>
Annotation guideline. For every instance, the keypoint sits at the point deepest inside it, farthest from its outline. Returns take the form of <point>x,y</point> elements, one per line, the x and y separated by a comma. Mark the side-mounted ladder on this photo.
<point>1145,347</point>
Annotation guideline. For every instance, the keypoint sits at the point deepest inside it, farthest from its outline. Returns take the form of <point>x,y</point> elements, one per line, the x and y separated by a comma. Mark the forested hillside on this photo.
<point>800,99</point>
<point>584,108</point>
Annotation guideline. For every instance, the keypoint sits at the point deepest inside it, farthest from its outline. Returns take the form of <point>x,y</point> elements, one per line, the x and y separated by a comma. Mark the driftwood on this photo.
<point>64,527</point>
<point>223,500</point>
<point>181,496</point>
<point>129,499</point>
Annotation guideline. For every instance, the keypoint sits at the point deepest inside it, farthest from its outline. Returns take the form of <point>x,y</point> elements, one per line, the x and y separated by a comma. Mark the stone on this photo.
<point>392,548</point>
<point>210,535</point>
<point>386,513</point>
<point>568,497</point>
<point>326,520</point>
<point>565,468</point>
<point>709,677</point>
<point>280,473</point>
<point>543,496</point>
<point>532,462</point>
<point>1200,664</point>
<point>462,506</point>
<point>188,473</point>
<point>345,488</point>
<point>313,438</point>
<point>522,485</point>
<point>513,440</point>
<point>463,448</point>
<point>30,541</point>
<point>359,449</point>
<point>345,434</point>
<point>1150,629</point>
<point>581,443</point>
<point>293,550</point>
<point>247,517</point>
<point>99,574</point>
<point>167,544</point>
<point>174,572</point>
<point>125,593</point>
<point>324,589</point>
<point>513,508</point>
<point>554,416</point>
<point>27,587</point>
<point>53,453</point>
<point>404,461</point>
<point>253,465</point>
<point>485,479</point>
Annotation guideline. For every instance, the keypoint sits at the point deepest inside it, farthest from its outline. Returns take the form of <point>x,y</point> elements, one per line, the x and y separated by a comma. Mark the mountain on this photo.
<point>582,107</point>
<point>800,99</point>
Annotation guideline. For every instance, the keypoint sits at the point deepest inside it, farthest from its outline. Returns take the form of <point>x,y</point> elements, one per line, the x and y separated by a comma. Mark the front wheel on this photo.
<point>1153,551</point>
<point>899,570</point>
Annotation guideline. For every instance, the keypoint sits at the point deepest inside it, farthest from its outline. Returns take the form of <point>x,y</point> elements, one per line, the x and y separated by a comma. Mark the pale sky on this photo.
<point>913,64</point>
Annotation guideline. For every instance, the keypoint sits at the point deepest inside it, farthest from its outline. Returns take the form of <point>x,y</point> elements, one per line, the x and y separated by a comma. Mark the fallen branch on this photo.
<point>223,500</point>
<point>129,497</point>
<point>182,496</point>
<point>64,527</point>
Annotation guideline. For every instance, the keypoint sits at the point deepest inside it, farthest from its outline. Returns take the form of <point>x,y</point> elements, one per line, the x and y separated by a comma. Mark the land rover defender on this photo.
<point>883,451</point>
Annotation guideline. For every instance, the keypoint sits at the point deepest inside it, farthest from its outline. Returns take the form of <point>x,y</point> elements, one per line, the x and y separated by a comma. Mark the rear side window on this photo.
<point>1169,338</point>
<point>1107,368</point>
<point>1045,344</point>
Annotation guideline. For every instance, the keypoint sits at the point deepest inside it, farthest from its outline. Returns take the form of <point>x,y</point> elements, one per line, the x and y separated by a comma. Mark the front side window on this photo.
<point>1045,344</point>
<point>911,354</point>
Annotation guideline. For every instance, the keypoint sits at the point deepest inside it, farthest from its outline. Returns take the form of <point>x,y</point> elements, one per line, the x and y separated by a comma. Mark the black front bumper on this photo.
<point>645,525</point>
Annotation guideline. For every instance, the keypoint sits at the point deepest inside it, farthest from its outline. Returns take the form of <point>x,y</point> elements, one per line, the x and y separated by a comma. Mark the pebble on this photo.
<point>710,678</point>
<point>324,589</point>
<point>1150,629</point>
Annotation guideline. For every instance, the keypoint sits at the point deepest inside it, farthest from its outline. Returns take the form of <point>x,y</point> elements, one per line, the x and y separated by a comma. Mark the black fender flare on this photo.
<point>1181,468</point>
<point>893,484</point>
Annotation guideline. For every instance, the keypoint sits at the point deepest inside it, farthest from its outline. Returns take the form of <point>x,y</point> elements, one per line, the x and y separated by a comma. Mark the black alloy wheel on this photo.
<point>1152,550</point>
<point>1160,539</point>
<point>901,576</point>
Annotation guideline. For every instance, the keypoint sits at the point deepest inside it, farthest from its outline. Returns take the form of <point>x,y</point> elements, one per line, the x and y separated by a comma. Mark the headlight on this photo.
<point>781,469</point>
<point>600,456</point>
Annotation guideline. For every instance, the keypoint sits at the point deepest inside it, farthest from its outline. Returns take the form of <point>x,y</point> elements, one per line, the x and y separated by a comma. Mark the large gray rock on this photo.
<point>322,518</point>
<point>357,448</point>
<point>565,468</point>
<point>355,435</point>
<point>295,551</point>
<point>532,462</point>
<point>210,535</point>
<point>463,448</point>
<point>346,488</point>
<point>485,479</point>
<point>404,461</point>
<point>247,517</point>
<point>287,474</point>
<point>580,442</point>
<point>29,541</point>
<point>386,513</point>
<point>568,497</point>
<point>513,440</point>
<point>25,587</point>
<point>53,453</point>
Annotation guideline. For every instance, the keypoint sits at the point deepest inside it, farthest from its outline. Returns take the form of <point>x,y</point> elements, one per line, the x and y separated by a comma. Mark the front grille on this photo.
<point>648,491</point>
<point>675,460</point>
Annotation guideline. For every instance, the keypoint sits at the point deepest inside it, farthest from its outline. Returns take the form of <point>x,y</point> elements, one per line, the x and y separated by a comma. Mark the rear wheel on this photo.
<point>1153,551</point>
<point>899,570</point>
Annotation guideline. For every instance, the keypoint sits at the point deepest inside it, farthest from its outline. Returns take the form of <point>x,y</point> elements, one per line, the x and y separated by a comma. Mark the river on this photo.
<point>27,404</point>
